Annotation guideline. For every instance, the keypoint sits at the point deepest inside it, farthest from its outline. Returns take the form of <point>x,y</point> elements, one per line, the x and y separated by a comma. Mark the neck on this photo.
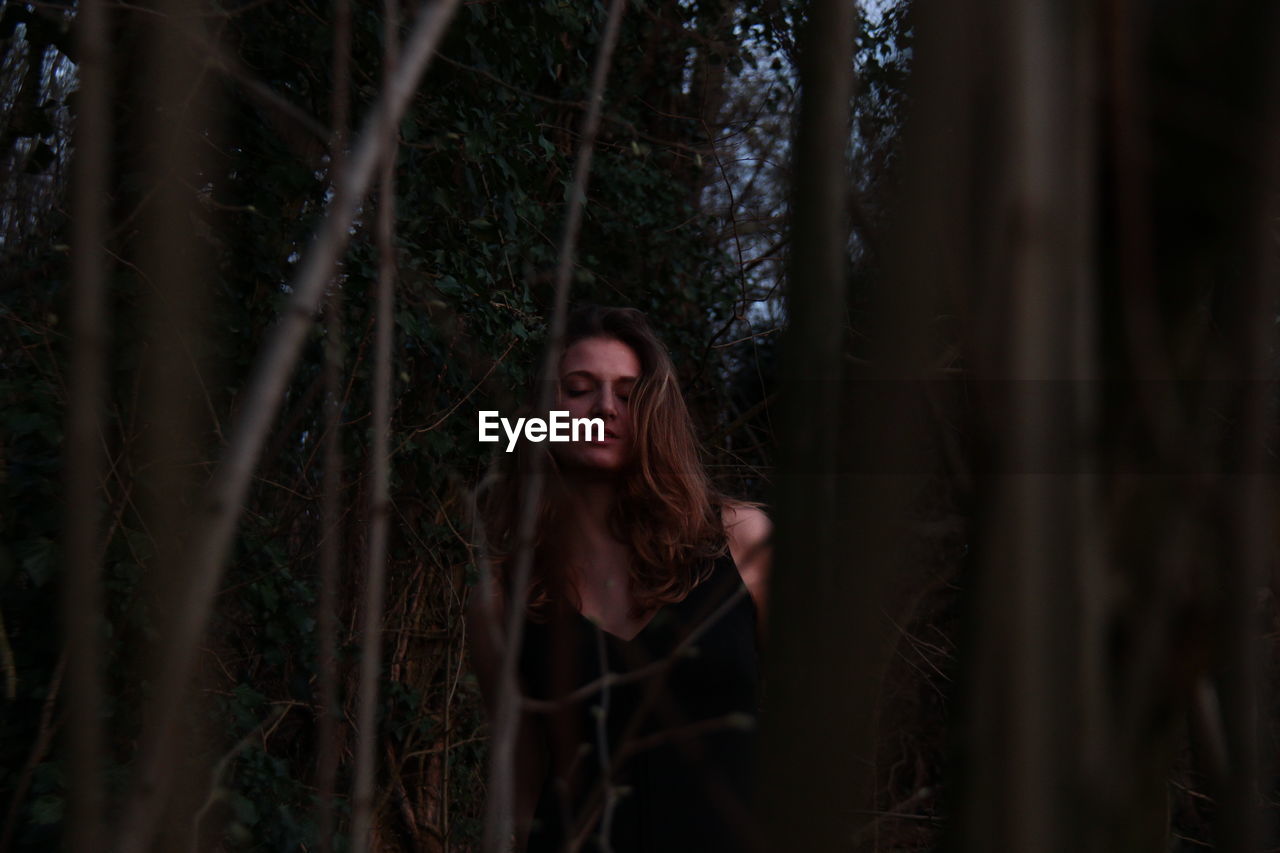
<point>600,559</point>
<point>588,501</point>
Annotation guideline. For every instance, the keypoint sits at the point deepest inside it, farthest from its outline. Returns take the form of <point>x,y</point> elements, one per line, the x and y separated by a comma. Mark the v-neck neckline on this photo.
<point>634,637</point>
<point>649,622</point>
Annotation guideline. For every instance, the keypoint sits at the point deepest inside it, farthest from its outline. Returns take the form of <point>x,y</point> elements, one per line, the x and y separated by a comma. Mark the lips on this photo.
<point>610,434</point>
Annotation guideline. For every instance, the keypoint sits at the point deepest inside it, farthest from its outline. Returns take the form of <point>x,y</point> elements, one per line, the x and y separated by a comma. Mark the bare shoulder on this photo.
<point>748,530</point>
<point>746,525</point>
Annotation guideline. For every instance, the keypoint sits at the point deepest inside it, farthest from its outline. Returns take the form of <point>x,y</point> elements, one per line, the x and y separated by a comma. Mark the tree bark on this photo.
<point>380,468</point>
<point>822,661</point>
<point>82,588</point>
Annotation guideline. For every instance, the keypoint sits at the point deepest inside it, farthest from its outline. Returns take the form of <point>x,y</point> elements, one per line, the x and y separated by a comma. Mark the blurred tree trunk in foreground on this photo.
<point>814,719</point>
<point>847,473</point>
<point>1100,176</point>
<point>1085,193</point>
<point>176,105</point>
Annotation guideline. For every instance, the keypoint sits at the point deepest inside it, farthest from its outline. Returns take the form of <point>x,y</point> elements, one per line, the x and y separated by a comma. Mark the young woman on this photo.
<point>644,573</point>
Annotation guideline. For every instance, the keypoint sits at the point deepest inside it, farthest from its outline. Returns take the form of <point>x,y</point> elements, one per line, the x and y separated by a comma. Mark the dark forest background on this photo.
<point>1001,366</point>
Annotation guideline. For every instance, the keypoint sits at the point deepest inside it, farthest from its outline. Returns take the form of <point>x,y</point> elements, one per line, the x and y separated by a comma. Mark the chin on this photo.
<point>592,459</point>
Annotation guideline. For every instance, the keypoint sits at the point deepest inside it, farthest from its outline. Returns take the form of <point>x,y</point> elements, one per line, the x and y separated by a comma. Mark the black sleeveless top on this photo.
<point>659,756</point>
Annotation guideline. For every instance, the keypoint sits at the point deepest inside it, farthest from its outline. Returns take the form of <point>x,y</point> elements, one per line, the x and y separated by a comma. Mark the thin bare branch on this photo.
<point>331,487</point>
<point>39,748</point>
<point>642,673</point>
<point>216,791</point>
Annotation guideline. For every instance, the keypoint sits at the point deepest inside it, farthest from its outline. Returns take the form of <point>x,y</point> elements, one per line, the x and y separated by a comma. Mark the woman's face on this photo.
<point>597,376</point>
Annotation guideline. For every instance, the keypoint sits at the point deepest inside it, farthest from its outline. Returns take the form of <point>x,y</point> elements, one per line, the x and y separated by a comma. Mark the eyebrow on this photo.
<point>588,374</point>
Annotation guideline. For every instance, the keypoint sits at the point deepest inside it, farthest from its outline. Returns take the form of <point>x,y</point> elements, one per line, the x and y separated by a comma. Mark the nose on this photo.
<point>605,404</point>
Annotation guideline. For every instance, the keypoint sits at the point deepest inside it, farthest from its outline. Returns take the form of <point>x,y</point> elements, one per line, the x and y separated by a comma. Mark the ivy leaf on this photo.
<point>48,810</point>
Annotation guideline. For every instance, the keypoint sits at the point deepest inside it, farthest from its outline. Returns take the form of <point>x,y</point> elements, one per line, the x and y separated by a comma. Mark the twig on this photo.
<point>741,419</point>
<point>573,105</point>
<point>1190,840</point>
<point>219,770</point>
<point>631,743</point>
<point>602,746</point>
<point>615,679</point>
<point>899,815</point>
<point>7,663</point>
<point>734,721</point>
<point>464,398</point>
<point>44,736</point>
<point>750,337</point>
<point>733,222</point>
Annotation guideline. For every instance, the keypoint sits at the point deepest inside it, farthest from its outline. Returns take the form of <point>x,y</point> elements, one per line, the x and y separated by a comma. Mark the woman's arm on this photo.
<point>749,531</point>
<point>484,613</point>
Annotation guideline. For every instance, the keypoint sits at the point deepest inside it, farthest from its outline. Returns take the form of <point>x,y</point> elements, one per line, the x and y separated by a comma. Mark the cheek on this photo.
<point>577,406</point>
<point>566,403</point>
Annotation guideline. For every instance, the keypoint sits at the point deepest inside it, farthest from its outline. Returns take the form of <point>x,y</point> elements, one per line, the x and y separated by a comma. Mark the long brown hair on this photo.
<point>667,509</point>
